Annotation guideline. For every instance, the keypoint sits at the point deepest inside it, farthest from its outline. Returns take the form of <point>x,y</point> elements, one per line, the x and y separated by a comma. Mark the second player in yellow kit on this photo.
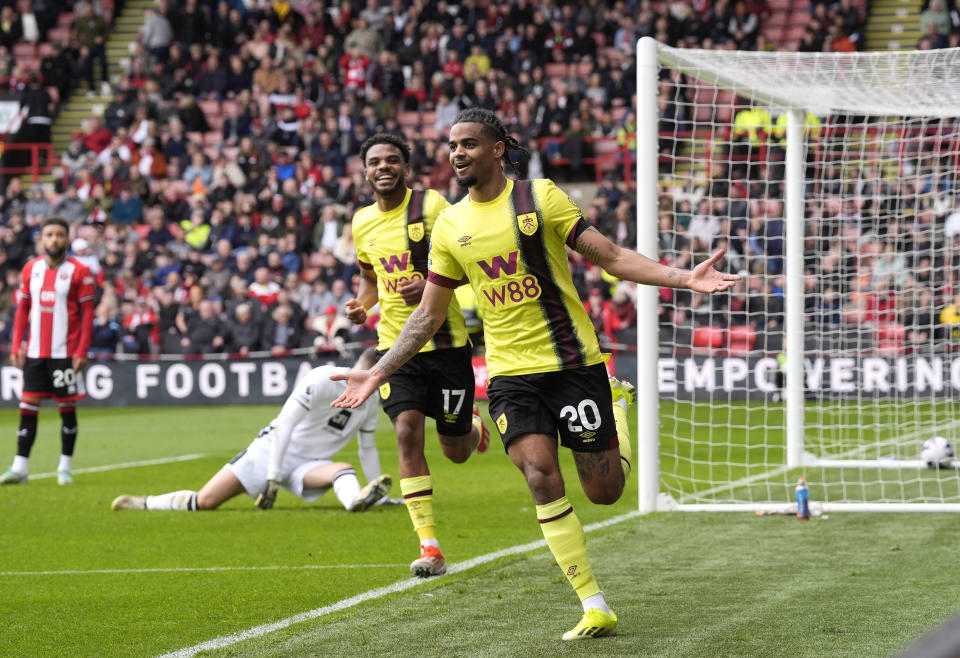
<point>392,238</point>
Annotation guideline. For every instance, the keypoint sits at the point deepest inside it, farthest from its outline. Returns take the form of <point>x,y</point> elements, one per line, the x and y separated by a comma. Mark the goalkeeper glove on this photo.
<point>266,498</point>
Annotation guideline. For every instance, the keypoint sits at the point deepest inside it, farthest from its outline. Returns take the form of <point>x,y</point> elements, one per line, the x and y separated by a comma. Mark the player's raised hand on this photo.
<point>268,496</point>
<point>411,291</point>
<point>360,385</point>
<point>355,311</point>
<point>706,278</point>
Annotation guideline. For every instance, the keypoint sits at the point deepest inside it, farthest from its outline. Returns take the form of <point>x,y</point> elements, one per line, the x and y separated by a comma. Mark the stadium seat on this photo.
<point>708,337</point>
<point>741,338</point>
<point>408,120</point>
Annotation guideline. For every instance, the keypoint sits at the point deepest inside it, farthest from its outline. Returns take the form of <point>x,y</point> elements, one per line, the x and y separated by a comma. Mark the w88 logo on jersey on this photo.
<point>511,291</point>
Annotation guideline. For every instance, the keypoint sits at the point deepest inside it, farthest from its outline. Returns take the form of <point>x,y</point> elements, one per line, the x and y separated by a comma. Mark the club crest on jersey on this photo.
<point>385,390</point>
<point>415,231</point>
<point>502,423</point>
<point>527,223</point>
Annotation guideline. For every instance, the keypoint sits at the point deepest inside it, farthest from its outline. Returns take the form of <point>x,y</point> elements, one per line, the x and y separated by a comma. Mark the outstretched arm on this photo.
<point>634,266</point>
<point>420,327</point>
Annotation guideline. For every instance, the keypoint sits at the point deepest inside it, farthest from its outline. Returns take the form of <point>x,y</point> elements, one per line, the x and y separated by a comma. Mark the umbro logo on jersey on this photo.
<point>465,240</point>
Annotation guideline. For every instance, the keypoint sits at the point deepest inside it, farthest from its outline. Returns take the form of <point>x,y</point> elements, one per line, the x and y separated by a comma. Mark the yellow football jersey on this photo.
<point>514,251</point>
<point>395,245</point>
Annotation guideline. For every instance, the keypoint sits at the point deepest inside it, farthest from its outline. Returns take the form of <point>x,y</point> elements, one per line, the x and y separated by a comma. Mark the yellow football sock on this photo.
<point>418,497</point>
<point>623,436</point>
<point>564,535</point>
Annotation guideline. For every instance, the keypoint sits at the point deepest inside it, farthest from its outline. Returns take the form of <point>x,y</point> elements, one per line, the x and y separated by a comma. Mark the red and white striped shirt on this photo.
<point>57,305</point>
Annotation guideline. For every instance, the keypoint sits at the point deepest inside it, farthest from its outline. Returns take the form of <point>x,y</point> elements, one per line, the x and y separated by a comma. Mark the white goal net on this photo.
<point>833,180</point>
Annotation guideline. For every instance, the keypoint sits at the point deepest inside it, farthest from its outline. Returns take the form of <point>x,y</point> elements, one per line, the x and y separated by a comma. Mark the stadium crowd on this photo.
<point>236,237</point>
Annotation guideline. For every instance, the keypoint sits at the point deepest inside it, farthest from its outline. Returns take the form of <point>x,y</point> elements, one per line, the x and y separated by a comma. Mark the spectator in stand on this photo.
<point>92,32</point>
<point>280,333</point>
<point>205,332</point>
<point>139,324</point>
<point>332,329</point>
<point>157,32</point>
<point>38,207</point>
<point>107,333</point>
<point>935,23</point>
<point>244,331</point>
<point>263,289</point>
<point>127,209</point>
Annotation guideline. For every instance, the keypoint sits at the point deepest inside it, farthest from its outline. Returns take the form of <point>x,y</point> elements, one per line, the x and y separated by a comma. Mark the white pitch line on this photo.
<point>115,467</point>
<point>399,586</point>
<point>84,572</point>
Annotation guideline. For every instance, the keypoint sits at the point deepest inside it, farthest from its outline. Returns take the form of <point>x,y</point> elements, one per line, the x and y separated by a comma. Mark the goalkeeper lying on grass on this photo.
<point>294,452</point>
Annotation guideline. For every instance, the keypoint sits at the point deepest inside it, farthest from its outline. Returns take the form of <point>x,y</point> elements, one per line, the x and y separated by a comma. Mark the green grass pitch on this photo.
<point>79,580</point>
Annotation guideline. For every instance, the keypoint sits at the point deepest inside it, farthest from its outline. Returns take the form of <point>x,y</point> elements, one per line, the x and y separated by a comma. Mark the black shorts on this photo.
<point>576,404</point>
<point>438,384</point>
<point>52,378</point>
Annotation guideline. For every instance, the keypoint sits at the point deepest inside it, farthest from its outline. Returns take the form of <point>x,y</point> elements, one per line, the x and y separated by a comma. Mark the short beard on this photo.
<point>467,181</point>
<point>58,254</point>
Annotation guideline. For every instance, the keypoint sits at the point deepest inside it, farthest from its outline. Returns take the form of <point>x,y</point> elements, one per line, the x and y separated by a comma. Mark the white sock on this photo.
<point>346,486</point>
<point>433,541</point>
<point>65,461</point>
<point>180,501</point>
<point>597,602</point>
<point>20,464</point>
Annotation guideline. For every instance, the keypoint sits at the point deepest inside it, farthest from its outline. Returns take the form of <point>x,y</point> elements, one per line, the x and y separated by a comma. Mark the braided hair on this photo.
<point>494,129</point>
<point>385,138</point>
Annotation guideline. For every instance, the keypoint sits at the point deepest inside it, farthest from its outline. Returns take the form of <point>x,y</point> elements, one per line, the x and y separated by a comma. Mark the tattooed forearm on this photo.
<point>419,328</point>
<point>671,274</point>
<point>587,248</point>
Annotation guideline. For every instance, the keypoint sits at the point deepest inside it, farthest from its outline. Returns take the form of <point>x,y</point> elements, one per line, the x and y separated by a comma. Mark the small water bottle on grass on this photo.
<point>803,500</point>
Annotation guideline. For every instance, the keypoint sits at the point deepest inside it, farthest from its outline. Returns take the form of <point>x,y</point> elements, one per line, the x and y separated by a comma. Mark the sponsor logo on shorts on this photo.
<point>450,418</point>
<point>587,436</point>
<point>502,422</point>
<point>572,571</point>
<point>385,390</point>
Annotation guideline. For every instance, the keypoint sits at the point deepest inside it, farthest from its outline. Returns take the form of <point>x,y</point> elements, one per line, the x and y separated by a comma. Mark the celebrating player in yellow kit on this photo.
<point>393,238</point>
<point>547,376</point>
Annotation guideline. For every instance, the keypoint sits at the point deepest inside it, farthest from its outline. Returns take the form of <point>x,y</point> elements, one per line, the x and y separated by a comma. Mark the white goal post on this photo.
<point>834,182</point>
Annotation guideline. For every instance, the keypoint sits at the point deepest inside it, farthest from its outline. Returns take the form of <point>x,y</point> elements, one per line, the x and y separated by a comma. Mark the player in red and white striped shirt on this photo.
<point>56,306</point>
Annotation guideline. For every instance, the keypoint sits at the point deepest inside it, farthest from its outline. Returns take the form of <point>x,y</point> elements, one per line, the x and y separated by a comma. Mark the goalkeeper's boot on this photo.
<point>595,623</point>
<point>128,502</point>
<point>64,477</point>
<point>430,562</point>
<point>621,389</point>
<point>482,430</point>
<point>370,494</point>
<point>12,477</point>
